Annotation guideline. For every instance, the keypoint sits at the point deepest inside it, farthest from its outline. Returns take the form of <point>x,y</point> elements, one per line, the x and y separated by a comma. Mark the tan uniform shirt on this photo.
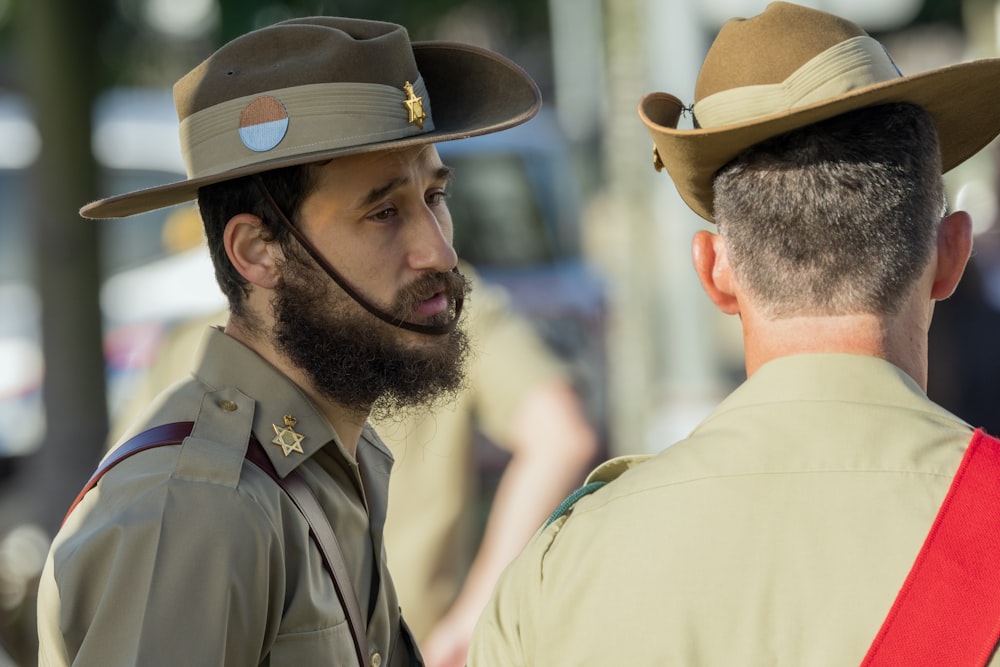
<point>778,533</point>
<point>190,555</point>
<point>431,526</point>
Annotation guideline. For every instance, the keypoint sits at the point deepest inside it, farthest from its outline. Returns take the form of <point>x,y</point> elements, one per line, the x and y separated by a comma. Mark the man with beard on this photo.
<point>240,520</point>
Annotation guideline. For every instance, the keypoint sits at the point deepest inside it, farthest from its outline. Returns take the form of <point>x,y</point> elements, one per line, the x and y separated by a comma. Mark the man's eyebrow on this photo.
<point>381,191</point>
<point>442,173</point>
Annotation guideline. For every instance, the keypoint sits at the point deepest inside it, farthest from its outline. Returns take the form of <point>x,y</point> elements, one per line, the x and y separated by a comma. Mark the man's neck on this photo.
<point>899,343</point>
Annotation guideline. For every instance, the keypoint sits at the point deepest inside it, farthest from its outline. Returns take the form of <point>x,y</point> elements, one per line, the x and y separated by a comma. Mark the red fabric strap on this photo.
<point>948,611</point>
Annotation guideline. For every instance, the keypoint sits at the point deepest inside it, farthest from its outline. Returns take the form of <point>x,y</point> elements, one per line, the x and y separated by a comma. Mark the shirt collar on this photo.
<point>832,377</point>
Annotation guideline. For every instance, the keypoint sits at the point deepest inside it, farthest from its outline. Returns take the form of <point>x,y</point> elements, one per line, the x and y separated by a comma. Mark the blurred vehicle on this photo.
<point>516,202</point>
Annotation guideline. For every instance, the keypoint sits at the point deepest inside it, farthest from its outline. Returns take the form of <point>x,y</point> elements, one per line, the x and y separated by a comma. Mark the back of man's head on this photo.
<point>836,218</point>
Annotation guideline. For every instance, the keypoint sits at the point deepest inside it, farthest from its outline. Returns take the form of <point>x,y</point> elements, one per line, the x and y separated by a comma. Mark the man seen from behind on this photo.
<point>780,531</point>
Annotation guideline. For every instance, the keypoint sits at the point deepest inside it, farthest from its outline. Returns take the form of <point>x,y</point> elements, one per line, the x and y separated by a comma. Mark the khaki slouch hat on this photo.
<point>311,89</point>
<point>792,66</point>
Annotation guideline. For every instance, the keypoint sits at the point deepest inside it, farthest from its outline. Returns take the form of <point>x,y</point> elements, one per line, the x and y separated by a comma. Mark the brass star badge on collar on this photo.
<point>414,105</point>
<point>286,437</point>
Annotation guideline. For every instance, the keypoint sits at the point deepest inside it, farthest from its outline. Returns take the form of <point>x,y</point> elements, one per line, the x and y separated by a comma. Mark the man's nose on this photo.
<point>431,247</point>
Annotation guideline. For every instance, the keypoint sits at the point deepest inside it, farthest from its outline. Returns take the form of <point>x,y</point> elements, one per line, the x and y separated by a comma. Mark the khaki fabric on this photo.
<point>431,530</point>
<point>189,555</point>
<point>778,533</point>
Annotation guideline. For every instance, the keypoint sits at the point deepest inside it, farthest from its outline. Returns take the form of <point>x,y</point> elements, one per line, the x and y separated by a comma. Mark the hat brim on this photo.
<point>472,90</point>
<point>960,98</point>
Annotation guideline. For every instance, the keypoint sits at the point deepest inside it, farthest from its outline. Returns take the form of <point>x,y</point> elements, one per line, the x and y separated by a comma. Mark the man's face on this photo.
<point>382,222</point>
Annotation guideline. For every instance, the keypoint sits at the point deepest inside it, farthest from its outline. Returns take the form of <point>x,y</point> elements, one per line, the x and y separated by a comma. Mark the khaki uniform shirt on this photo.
<point>433,520</point>
<point>190,555</point>
<point>431,527</point>
<point>778,533</point>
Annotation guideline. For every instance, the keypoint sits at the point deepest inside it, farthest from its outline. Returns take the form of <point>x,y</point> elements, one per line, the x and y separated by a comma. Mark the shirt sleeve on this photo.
<point>182,573</point>
<point>512,623</point>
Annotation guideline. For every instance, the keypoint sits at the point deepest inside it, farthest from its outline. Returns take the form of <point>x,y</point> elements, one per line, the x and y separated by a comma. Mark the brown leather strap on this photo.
<point>165,434</point>
<point>293,485</point>
<point>324,537</point>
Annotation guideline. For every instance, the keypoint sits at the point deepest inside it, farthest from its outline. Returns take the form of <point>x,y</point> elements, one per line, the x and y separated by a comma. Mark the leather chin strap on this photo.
<point>428,329</point>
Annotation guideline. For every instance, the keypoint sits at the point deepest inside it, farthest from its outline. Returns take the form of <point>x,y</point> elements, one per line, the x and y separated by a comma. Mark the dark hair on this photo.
<point>835,218</point>
<point>219,202</point>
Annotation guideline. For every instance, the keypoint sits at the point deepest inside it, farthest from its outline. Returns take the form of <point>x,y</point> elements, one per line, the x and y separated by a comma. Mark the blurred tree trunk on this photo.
<point>58,42</point>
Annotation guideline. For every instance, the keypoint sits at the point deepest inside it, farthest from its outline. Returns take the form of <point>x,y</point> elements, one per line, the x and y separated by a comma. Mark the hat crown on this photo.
<point>792,66</point>
<point>318,88</point>
<point>769,47</point>
<point>295,53</point>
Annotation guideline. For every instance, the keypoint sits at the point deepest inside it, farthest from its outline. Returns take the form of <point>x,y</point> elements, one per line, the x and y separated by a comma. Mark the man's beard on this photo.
<point>355,359</point>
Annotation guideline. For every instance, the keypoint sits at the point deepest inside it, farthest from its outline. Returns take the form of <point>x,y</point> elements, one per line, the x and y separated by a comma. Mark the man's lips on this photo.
<point>435,304</point>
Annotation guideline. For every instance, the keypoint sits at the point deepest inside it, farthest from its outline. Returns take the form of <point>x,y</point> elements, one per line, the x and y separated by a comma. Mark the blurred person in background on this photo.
<point>520,397</point>
<point>258,540</point>
<point>782,528</point>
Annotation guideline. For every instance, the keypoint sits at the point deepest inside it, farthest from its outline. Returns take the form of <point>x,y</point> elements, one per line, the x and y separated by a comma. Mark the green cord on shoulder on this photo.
<point>567,504</point>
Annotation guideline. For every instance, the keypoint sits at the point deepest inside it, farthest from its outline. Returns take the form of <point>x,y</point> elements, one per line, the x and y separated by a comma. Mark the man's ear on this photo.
<point>711,262</point>
<point>252,256</point>
<point>954,246</point>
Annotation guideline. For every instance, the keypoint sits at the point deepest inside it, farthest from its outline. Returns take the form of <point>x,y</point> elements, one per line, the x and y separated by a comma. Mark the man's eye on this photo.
<point>437,197</point>
<point>383,214</point>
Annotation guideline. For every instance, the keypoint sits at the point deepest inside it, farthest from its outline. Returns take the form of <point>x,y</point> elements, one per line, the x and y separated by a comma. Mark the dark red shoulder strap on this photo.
<point>948,610</point>
<point>165,434</point>
<point>293,485</point>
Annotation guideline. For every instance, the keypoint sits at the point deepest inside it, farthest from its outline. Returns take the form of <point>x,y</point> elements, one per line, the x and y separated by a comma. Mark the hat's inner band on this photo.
<point>299,120</point>
<point>852,64</point>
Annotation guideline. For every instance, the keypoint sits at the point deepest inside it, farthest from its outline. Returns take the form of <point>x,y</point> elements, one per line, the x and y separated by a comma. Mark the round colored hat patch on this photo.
<point>263,124</point>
